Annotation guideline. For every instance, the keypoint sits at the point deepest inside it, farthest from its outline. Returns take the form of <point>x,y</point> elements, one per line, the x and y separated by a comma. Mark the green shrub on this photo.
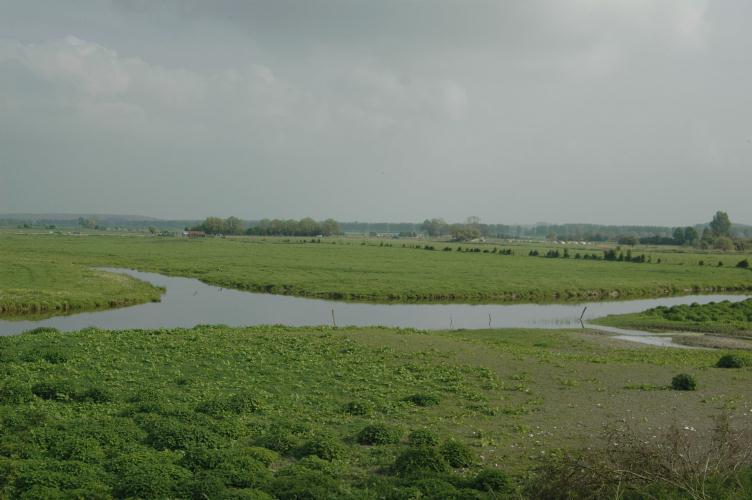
<point>423,399</point>
<point>236,404</point>
<point>246,494</point>
<point>263,455</point>
<point>419,462</point>
<point>15,393</point>
<point>41,330</point>
<point>743,264</point>
<point>683,382</point>
<point>435,488</point>
<point>94,395</point>
<point>169,433</point>
<point>325,447</point>
<point>730,361</point>
<point>492,481</point>
<point>297,483</point>
<point>423,437</point>
<point>378,434</point>
<point>148,474</point>
<point>58,390</point>
<point>457,454</point>
<point>280,439</point>
<point>356,408</point>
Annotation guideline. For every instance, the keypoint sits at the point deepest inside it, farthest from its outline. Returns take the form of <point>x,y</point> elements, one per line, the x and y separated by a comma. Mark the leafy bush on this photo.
<point>683,382</point>
<point>743,264</point>
<point>297,483</point>
<point>325,447</point>
<point>58,390</point>
<point>41,330</point>
<point>492,481</point>
<point>357,408</point>
<point>235,404</point>
<point>419,461</point>
<point>169,433</point>
<point>457,454</point>
<point>148,474</point>
<point>422,437</point>
<point>280,439</point>
<point>423,399</point>
<point>15,393</point>
<point>730,361</point>
<point>377,434</point>
<point>93,395</point>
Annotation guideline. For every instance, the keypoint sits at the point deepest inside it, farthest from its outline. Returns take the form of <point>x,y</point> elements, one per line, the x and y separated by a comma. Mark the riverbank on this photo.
<point>354,270</point>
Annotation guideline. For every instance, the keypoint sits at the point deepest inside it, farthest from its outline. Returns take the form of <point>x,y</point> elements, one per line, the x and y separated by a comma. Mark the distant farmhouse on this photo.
<point>194,234</point>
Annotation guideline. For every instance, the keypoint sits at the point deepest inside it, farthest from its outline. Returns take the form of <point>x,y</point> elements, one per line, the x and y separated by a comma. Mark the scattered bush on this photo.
<point>743,264</point>
<point>15,393</point>
<point>457,454</point>
<point>58,390</point>
<point>378,434</point>
<point>419,461</point>
<point>730,361</point>
<point>325,447</point>
<point>423,399</point>
<point>492,481</point>
<point>422,437</point>
<point>683,382</point>
<point>235,404</point>
<point>357,408</point>
<point>148,474</point>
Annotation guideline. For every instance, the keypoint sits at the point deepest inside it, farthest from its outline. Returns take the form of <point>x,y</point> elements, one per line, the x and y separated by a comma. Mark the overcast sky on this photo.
<point>624,111</point>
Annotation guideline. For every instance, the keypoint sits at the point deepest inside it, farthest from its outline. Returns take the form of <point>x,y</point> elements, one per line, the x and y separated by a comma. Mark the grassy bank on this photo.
<point>724,318</point>
<point>216,412</point>
<point>41,285</point>
<point>366,271</point>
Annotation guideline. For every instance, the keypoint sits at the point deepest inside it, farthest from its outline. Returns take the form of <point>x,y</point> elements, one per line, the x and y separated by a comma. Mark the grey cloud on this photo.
<point>626,111</point>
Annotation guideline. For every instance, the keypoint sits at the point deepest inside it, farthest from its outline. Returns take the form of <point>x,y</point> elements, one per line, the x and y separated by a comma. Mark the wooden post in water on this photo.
<point>489,320</point>
<point>334,320</point>
<point>451,324</point>
<point>583,313</point>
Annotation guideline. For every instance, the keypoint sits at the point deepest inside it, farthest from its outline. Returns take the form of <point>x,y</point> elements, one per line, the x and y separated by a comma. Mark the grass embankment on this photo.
<point>39,285</point>
<point>723,318</point>
<point>215,412</point>
<point>364,271</point>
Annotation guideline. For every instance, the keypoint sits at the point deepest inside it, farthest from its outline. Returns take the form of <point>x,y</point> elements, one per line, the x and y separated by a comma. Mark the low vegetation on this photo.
<point>276,412</point>
<point>727,318</point>
<point>54,270</point>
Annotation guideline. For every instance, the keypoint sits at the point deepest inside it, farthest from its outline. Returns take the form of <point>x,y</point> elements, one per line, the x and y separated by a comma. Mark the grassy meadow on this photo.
<point>218,412</point>
<point>51,272</point>
<point>725,318</point>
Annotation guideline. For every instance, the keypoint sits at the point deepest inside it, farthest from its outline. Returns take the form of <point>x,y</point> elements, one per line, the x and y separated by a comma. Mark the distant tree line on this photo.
<point>302,227</point>
<point>268,227</point>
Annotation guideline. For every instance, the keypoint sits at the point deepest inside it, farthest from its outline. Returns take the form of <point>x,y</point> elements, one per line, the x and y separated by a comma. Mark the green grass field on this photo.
<point>343,269</point>
<point>733,319</point>
<point>39,284</point>
<point>215,412</point>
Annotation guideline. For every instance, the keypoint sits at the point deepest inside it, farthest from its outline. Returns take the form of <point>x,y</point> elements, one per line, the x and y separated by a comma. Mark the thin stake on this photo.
<point>334,320</point>
<point>583,314</point>
<point>451,325</point>
<point>489,320</point>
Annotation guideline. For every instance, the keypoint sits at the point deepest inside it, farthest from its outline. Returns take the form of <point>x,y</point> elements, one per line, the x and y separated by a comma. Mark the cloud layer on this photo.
<point>627,111</point>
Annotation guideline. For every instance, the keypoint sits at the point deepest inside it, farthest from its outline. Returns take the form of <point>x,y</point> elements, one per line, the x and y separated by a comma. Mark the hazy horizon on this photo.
<point>628,112</point>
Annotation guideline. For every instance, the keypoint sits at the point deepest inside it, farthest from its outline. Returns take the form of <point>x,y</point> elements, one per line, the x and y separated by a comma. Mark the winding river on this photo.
<point>188,302</point>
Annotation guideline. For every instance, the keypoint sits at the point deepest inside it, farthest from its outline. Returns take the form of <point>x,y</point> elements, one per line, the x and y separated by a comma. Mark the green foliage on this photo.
<point>379,434</point>
<point>422,399</point>
<point>730,361</point>
<point>357,408</point>
<point>492,481</point>
<point>683,382</point>
<point>422,437</point>
<point>457,454</point>
<point>420,461</point>
<point>324,447</point>
<point>148,474</point>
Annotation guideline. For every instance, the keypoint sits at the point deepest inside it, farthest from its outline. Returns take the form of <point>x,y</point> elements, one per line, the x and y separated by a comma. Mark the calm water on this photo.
<point>188,302</point>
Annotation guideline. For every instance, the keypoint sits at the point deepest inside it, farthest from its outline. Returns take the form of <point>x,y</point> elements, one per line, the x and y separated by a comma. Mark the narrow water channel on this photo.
<point>189,302</point>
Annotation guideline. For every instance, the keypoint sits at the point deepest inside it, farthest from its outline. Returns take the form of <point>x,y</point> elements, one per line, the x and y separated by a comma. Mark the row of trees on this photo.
<point>302,227</point>
<point>267,227</point>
